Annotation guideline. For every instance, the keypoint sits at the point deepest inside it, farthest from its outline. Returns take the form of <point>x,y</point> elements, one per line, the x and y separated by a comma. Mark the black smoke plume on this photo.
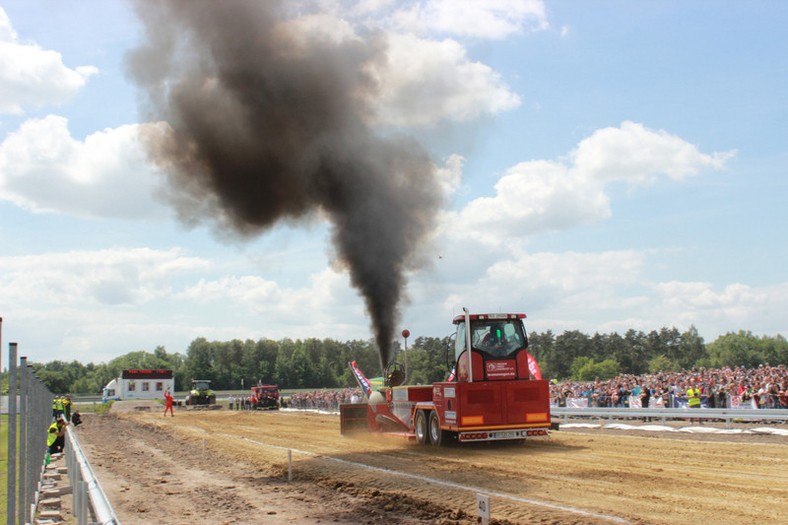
<point>269,122</point>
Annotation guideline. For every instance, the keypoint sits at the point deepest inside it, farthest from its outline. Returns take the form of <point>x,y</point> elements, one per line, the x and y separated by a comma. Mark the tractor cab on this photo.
<point>201,393</point>
<point>498,346</point>
<point>201,384</point>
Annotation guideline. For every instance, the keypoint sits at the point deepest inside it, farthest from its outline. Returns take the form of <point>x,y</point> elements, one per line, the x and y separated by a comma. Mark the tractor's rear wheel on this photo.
<point>438,437</point>
<point>421,428</point>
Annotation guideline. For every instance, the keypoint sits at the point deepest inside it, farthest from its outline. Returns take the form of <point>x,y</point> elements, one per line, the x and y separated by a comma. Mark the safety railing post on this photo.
<point>12,426</point>
<point>82,519</point>
<point>76,488</point>
<point>24,415</point>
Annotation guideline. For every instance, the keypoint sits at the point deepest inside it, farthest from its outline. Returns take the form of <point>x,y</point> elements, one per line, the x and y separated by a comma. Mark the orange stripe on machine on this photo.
<point>472,420</point>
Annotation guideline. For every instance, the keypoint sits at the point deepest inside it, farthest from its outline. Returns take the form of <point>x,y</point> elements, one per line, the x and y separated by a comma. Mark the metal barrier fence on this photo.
<point>728,415</point>
<point>86,486</point>
<point>721,400</point>
<point>28,420</point>
<point>29,417</point>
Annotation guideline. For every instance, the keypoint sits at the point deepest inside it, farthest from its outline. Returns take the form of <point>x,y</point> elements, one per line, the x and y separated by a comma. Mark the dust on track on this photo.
<point>231,467</point>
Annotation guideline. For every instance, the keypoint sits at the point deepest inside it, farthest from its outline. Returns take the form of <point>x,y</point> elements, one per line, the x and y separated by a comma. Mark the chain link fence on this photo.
<point>30,413</point>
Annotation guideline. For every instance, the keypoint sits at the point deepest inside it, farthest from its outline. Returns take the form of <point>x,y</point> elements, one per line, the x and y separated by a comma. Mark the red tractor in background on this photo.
<point>265,397</point>
<point>494,392</point>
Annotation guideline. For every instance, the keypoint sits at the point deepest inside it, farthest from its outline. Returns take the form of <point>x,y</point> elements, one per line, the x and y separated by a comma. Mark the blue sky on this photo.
<point>604,166</point>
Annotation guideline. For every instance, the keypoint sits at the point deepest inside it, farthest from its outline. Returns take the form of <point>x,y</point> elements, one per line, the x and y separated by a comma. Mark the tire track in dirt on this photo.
<point>424,479</point>
<point>640,479</point>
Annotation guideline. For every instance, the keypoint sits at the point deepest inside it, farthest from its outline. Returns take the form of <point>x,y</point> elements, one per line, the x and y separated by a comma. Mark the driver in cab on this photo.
<point>494,343</point>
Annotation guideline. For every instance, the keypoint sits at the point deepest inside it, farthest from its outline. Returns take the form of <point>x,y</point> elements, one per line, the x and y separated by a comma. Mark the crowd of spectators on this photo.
<point>323,399</point>
<point>242,402</point>
<point>762,387</point>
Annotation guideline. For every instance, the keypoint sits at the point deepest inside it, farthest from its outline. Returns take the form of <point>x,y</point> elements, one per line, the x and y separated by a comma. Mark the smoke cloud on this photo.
<point>269,122</point>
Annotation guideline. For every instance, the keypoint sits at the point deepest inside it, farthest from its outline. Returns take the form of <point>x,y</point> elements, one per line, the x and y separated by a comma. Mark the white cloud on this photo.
<point>248,290</point>
<point>569,282</point>
<point>490,19</point>
<point>610,291</point>
<point>32,77</point>
<point>325,306</point>
<point>568,272</point>
<point>423,82</point>
<point>95,305</point>
<point>110,277</point>
<point>494,19</point>
<point>7,33</point>
<point>327,290</point>
<point>637,155</point>
<point>44,169</point>
<point>720,309</point>
<point>534,197</point>
<point>540,196</point>
<point>169,307</point>
<point>735,307</point>
<point>83,303</point>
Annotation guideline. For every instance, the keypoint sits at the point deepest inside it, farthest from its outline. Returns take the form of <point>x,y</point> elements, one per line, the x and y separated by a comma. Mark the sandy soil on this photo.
<point>223,467</point>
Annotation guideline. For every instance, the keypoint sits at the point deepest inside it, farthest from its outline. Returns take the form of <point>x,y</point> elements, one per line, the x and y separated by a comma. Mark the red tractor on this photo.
<point>265,397</point>
<point>494,392</point>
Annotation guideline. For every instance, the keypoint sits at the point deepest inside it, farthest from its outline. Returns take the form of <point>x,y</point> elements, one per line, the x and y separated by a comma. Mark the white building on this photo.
<point>140,384</point>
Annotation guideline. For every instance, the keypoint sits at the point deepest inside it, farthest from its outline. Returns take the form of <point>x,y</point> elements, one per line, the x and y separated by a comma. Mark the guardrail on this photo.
<point>86,486</point>
<point>729,415</point>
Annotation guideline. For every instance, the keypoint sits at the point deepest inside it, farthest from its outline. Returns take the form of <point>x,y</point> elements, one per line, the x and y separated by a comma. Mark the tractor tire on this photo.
<point>421,428</point>
<point>436,434</point>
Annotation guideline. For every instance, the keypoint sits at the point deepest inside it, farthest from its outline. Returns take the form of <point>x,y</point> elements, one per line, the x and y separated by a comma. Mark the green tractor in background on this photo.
<point>201,395</point>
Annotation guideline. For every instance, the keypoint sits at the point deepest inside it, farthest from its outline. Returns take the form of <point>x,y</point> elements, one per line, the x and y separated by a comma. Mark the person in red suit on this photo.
<point>168,403</point>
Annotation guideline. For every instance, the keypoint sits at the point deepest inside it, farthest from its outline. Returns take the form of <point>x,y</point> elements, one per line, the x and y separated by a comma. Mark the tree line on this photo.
<point>323,363</point>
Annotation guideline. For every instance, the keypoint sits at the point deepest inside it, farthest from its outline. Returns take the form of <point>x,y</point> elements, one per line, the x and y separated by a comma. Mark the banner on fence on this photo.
<point>577,402</point>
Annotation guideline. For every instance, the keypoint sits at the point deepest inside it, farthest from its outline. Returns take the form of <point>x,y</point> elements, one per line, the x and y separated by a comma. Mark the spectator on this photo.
<point>55,433</point>
<point>782,395</point>
<point>67,407</point>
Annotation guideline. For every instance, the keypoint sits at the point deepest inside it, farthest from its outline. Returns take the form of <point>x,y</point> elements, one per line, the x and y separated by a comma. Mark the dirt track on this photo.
<point>160,473</point>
